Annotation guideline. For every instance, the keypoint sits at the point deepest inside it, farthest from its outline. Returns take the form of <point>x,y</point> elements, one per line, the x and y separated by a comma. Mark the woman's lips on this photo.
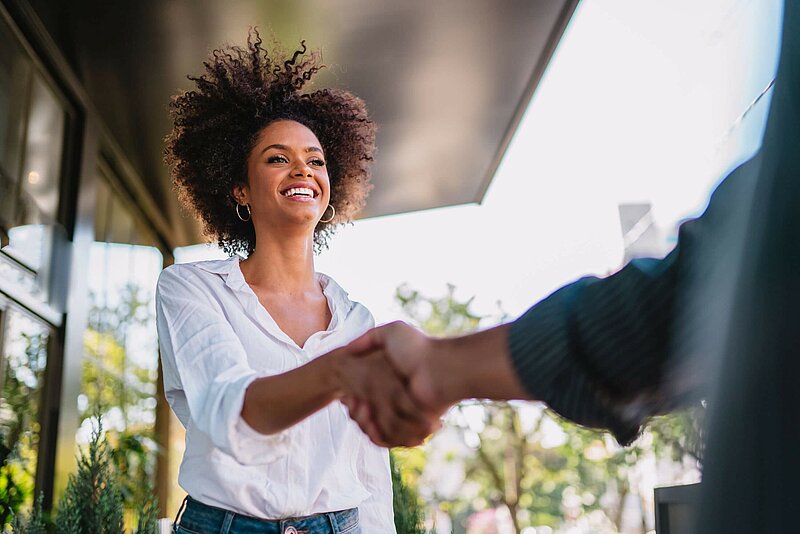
<point>299,198</point>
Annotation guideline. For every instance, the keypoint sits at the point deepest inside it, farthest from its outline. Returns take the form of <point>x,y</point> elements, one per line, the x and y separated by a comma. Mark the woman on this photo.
<point>270,170</point>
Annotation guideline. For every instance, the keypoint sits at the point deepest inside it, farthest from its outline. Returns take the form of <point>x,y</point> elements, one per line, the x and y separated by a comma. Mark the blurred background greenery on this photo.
<point>518,467</point>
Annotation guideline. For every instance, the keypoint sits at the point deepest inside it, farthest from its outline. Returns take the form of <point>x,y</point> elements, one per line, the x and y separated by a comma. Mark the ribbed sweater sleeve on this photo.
<point>592,349</point>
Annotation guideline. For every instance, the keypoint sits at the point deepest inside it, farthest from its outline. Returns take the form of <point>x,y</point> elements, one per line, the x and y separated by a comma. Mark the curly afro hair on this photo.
<point>217,124</point>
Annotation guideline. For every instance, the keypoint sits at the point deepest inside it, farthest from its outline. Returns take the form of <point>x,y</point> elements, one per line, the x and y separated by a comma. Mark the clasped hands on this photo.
<point>388,384</point>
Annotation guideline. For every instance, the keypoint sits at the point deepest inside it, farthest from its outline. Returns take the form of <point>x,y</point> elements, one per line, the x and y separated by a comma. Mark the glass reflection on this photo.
<point>120,365</point>
<point>30,238</point>
<point>23,361</point>
<point>14,83</point>
<point>33,122</point>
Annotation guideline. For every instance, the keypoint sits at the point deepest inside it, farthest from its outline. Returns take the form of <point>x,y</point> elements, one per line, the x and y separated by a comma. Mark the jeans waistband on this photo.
<point>200,518</point>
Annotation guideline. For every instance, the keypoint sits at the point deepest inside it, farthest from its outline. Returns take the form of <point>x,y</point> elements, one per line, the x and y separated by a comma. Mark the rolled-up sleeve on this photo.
<point>206,372</point>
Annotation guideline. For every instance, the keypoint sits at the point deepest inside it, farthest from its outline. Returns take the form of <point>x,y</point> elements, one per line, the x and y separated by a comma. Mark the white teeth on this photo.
<point>299,191</point>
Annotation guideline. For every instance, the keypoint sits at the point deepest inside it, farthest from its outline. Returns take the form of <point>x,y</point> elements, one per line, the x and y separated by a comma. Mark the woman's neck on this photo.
<point>284,265</point>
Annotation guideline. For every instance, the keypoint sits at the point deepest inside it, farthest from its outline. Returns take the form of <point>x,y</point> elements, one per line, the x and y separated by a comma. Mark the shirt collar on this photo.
<point>222,267</point>
<point>338,299</point>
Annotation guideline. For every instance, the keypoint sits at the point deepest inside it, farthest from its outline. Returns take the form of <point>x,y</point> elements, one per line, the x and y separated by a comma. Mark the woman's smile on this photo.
<point>300,192</point>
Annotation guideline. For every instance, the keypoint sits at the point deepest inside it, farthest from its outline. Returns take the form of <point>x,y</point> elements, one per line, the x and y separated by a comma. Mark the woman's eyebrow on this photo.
<point>284,147</point>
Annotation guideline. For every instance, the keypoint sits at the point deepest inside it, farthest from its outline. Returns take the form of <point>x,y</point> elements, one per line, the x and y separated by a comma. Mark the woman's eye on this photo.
<point>317,162</point>
<point>277,159</point>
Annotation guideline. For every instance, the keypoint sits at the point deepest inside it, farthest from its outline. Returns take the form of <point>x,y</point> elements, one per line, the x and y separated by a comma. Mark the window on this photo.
<point>32,129</point>
<point>120,364</point>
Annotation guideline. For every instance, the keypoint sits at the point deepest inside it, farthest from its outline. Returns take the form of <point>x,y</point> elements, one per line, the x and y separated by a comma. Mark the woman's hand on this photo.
<point>379,399</point>
<point>436,373</point>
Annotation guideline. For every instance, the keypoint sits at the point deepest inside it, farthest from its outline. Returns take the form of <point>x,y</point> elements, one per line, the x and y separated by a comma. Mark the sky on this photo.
<point>640,103</point>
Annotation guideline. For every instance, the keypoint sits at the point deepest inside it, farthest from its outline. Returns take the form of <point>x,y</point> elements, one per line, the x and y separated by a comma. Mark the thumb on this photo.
<point>370,341</point>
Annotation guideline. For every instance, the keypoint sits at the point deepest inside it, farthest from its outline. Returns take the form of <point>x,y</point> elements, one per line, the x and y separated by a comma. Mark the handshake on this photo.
<point>397,382</point>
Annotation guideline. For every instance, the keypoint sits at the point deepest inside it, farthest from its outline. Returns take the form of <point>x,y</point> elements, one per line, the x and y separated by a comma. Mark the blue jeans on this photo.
<point>199,518</point>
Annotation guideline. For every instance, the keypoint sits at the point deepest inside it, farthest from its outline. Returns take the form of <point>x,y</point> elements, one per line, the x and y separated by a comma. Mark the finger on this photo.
<point>396,428</point>
<point>361,415</point>
<point>370,341</point>
<point>416,413</point>
<point>363,411</point>
<point>405,434</point>
<point>370,428</point>
<point>377,337</point>
<point>406,406</point>
<point>350,403</point>
<point>377,437</point>
<point>421,422</point>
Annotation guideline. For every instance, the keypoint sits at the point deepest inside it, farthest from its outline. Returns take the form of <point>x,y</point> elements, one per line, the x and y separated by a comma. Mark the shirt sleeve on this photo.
<point>376,513</point>
<point>206,372</point>
<point>588,345</point>
<point>602,352</point>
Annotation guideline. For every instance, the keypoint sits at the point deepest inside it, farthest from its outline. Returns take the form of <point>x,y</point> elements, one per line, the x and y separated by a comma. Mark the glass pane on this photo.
<point>21,277</point>
<point>42,168</point>
<point>23,360</point>
<point>14,82</point>
<point>29,238</point>
<point>29,209</point>
<point>120,366</point>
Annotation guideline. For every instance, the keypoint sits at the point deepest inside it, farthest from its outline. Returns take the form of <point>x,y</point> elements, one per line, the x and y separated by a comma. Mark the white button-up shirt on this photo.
<point>216,338</point>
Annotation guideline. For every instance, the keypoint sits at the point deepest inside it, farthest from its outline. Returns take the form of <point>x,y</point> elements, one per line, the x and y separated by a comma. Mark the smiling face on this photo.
<point>287,180</point>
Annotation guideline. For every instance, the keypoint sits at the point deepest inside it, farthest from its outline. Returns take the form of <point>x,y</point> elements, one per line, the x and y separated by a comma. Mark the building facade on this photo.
<point>79,258</point>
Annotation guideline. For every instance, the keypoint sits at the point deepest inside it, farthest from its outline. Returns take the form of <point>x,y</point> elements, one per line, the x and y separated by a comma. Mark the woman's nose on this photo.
<point>302,169</point>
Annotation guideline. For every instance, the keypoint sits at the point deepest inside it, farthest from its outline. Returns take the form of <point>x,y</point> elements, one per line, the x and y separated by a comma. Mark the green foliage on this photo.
<point>147,520</point>
<point>133,455</point>
<point>408,511</point>
<point>445,316</point>
<point>680,434</point>
<point>92,501</point>
<point>111,378</point>
<point>36,524</point>
<point>16,487</point>
<point>113,382</point>
<point>23,371</point>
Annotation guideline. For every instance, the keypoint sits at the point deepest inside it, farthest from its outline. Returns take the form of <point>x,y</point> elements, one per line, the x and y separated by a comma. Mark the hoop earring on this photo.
<point>333,214</point>
<point>238,214</point>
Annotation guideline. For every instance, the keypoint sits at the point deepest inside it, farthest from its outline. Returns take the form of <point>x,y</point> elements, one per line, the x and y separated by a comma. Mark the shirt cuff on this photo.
<point>253,447</point>
<point>248,446</point>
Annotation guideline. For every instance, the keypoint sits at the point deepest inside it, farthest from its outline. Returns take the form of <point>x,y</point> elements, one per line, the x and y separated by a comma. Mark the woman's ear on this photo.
<point>240,193</point>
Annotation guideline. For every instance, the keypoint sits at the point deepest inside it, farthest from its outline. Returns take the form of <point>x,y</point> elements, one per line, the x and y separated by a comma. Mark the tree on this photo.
<point>408,512</point>
<point>35,524</point>
<point>92,501</point>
